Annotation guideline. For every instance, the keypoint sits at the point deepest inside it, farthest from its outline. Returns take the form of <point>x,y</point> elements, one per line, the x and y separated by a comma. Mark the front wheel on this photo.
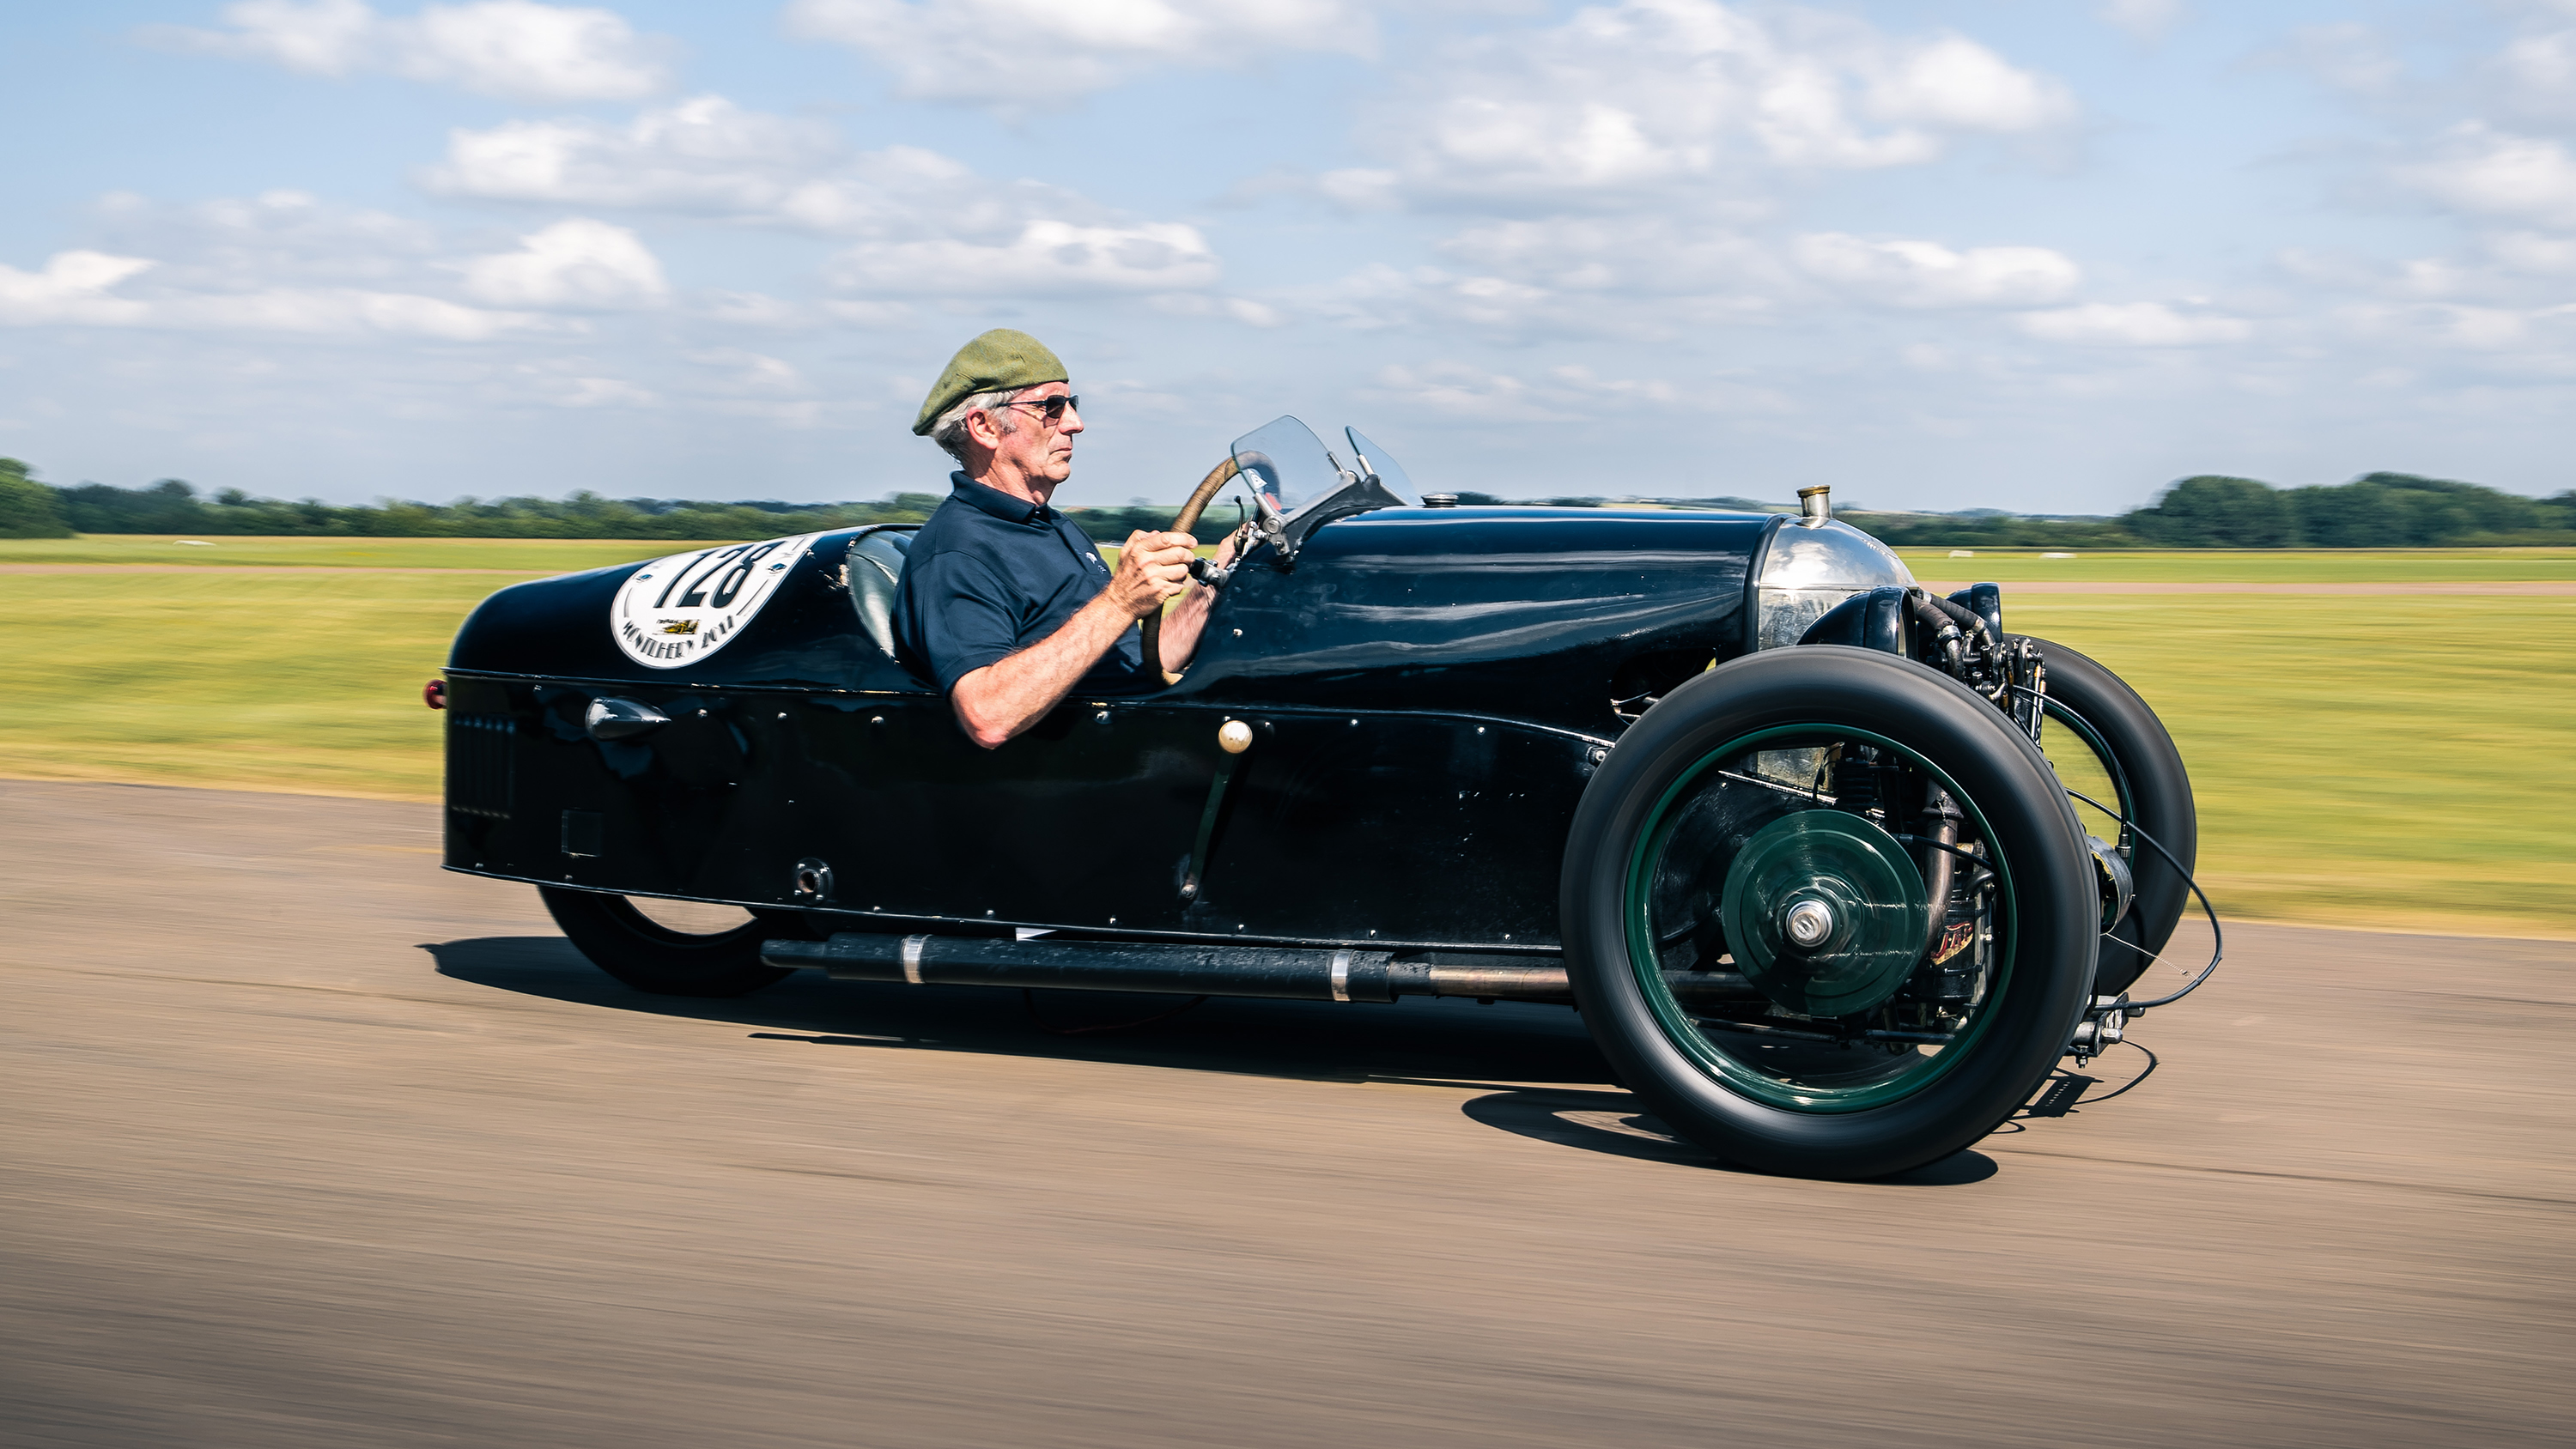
<point>661,946</point>
<point>1829,913</point>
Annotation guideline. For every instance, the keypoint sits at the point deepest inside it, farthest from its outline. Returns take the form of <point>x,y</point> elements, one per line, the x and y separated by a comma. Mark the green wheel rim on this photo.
<point>1645,962</point>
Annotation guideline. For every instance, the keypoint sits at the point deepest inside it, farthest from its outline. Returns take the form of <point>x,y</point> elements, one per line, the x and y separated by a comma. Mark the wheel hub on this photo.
<point>1807,923</point>
<point>1825,913</point>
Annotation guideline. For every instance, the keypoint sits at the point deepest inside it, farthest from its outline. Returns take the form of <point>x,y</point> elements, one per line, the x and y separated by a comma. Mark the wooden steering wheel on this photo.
<point>1151,626</point>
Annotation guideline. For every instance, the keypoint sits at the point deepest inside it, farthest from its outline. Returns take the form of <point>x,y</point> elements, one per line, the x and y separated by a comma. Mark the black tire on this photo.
<point>1702,1077</point>
<point>649,956</point>
<point>2148,771</point>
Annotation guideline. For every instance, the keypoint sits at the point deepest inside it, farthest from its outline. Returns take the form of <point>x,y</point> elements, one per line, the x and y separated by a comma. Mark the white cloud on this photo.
<point>707,156</point>
<point>2347,56</point>
<point>1567,277</point>
<point>1928,274</point>
<point>742,371</point>
<point>1046,257</point>
<point>1953,83</point>
<point>2542,337</point>
<point>338,311</point>
<point>1561,394</point>
<point>2490,173</point>
<point>278,263</point>
<point>925,223</point>
<point>2533,253</point>
<point>579,264</point>
<point>1201,304</point>
<point>596,392</point>
<point>2147,20</point>
<point>1587,254</point>
<point>1625,101</point>
<point>1017,54</point>
<point>1563,277</point>
<point>2133,324</point>
<point>704,154</point>
<point>1457,390</point>
<point>233,242</point>
<point>512,48</point>
<point>325,37</point>
<point>74,287</point>
<point>2536,74</point>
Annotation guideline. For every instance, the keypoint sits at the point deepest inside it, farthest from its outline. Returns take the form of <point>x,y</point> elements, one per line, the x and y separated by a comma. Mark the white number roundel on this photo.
<point>675,611</point>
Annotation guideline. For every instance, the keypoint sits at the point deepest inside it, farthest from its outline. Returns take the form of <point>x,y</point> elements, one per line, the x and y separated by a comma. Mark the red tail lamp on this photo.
<point>434,694</point>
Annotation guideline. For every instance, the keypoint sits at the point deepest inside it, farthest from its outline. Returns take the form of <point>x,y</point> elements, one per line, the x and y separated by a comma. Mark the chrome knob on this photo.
<point>1808,923</point>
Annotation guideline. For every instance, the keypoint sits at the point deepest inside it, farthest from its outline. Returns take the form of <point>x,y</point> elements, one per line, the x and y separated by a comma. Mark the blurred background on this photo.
<point>2040,258</point>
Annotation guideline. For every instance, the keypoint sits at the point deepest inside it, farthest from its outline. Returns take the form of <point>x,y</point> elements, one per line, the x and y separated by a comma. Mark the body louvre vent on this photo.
<point>479,763</point>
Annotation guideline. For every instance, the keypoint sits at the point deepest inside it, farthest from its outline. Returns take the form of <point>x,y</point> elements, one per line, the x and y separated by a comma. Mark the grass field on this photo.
<point>2408,762</point>
<point>2391,761</point>
<point>2249,566</point>
<point>306,680</point>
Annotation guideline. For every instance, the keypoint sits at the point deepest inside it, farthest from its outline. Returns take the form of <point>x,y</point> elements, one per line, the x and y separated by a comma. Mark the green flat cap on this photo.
<point>1000,358</point>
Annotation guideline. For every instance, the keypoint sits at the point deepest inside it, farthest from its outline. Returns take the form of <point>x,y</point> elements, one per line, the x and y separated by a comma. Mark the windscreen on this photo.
<point>1370,458</point>
<point>1286,462</point>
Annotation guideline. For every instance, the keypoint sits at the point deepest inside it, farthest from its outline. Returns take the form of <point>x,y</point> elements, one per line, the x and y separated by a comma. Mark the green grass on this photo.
<point>2235,566</point>
<point>528,555</point>
<point>300,681</point>
<point>2406,763</point>
<point>2397,761</point>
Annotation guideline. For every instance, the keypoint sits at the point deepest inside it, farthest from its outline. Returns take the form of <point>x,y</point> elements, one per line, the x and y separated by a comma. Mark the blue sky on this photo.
<point>2039,256</point>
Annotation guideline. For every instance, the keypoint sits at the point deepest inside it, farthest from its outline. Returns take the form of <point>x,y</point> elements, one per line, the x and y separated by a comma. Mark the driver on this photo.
<point>1004,601</point>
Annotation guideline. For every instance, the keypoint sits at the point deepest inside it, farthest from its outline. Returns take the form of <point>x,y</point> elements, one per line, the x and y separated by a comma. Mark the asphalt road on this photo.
<point>303,1142</point>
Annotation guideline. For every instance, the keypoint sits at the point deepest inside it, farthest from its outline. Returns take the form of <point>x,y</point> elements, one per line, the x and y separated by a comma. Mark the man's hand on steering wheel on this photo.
<point>1152,567</point>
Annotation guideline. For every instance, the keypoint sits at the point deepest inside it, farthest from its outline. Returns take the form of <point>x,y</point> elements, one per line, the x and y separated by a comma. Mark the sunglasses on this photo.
<point>1052,407</point>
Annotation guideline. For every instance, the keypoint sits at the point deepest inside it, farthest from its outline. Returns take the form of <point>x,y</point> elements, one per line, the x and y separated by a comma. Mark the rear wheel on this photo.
<point>2105,742</point>
<point>1829,913</point>
<point>669,948</point>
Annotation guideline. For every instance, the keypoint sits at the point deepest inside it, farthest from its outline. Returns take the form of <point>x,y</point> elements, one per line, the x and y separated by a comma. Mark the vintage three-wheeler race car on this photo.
<point>1794,835</point>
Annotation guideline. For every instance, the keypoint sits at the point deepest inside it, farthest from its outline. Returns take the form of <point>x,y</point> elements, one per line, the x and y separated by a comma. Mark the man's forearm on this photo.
<point>1004,698</point>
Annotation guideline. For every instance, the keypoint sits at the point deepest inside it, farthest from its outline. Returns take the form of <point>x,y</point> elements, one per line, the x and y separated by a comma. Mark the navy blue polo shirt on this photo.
<point>988,576</point>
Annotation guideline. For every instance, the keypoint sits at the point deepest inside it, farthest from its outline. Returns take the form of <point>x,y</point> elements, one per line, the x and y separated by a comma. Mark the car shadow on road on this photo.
<point>1615,1123</point>
<point>1411,1040</point>
<point>1541,1075</point>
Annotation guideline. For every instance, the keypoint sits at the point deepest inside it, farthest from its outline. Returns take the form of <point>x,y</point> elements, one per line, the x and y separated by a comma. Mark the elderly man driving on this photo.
<point>1004,601</point>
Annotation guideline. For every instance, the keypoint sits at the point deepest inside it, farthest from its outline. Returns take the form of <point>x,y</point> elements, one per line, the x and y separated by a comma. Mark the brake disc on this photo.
<point>1825,913</point>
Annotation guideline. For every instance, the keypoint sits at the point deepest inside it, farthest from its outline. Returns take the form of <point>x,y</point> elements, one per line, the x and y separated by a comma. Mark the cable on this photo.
<point>2152,1064</point>
<point>2217,936</point>
<point>1978,861</point>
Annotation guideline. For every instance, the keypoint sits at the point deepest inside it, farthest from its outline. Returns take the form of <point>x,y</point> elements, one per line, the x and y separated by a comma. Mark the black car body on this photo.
<point>1381,748</point>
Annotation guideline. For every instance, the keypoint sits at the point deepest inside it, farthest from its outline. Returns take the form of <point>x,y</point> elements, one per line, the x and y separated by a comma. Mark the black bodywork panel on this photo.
<point>1429,691</point>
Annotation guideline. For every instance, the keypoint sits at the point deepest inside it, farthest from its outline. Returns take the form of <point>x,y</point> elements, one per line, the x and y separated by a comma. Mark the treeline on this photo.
<point>171,506</point>
<point>32,509</point>
<point>2377,510</point>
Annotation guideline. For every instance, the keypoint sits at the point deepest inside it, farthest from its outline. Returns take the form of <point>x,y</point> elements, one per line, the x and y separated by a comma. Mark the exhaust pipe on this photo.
<point>1282,973</point>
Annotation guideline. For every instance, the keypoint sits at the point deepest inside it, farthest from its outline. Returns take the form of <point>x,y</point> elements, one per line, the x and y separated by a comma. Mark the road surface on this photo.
<point>306,1143</point>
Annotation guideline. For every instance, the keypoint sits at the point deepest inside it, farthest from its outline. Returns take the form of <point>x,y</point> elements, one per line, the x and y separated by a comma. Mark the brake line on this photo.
<point>2217,936</point>
<point>2131,1084</point>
